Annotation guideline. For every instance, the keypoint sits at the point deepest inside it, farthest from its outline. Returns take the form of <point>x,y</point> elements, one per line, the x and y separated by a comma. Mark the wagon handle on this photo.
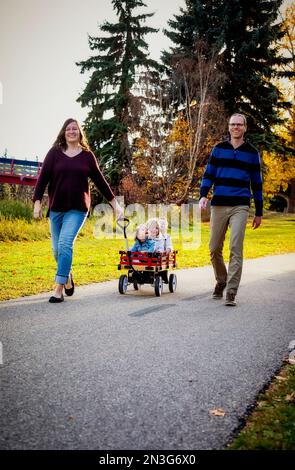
<point>123,226</point>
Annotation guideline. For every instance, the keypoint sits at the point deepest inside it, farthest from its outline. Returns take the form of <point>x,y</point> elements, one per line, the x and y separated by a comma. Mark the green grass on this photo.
<point>272,425</point>
<point>13,209</point>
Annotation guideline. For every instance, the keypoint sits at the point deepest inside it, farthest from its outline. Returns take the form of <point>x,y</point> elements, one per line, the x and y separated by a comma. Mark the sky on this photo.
<point>40,42</point>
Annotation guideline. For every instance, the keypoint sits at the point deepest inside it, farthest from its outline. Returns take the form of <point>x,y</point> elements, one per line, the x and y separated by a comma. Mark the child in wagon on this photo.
<point>154,234</point>
<point>163,225</point>
<point>157,231</point>
<point>142,241</point>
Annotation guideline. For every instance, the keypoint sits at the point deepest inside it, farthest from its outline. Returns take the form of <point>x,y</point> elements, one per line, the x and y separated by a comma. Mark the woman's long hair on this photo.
<point>60,141</point>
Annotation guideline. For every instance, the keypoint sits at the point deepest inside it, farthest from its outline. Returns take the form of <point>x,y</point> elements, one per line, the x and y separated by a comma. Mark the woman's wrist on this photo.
<point>114,203</point>
<point>117,208</point>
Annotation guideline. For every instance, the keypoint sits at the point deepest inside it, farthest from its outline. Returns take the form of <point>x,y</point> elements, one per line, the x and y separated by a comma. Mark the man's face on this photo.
<point>237,127</point>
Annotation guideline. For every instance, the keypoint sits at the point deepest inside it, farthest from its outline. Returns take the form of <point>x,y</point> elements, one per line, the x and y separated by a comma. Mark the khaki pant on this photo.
<point>223,217</point>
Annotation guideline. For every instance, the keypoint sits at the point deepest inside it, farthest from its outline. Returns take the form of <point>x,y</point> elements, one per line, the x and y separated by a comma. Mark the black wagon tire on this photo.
<point>158,286</point>
<point>123,283</point>
<point>172,282</point>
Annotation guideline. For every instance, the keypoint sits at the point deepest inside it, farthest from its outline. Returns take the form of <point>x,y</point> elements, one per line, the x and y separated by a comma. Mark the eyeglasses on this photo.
<point>232,124</point>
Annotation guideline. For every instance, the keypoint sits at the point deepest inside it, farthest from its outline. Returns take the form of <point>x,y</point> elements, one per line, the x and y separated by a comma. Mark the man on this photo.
<point>234,170</point>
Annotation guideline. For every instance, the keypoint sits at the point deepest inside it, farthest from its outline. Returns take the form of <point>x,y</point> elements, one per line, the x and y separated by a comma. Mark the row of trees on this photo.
<point>152,124</point>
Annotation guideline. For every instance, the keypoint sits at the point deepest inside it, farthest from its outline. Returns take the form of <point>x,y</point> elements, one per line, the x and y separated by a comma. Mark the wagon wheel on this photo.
<point>123,283</point>
<point>172,282</point>
<point>158,286</point>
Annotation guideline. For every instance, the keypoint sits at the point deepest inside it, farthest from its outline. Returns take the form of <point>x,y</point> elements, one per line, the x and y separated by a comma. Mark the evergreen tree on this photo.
<point>198,22</point>
<point>115,105</point>
<point>245,33</point>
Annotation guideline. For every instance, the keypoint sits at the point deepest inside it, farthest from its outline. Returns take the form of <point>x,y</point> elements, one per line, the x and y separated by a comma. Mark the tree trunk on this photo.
<point>291,206</point>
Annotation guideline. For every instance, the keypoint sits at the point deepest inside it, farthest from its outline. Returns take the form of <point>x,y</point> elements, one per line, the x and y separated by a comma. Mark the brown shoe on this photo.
<point>218,291</point>
<point>230,299</point>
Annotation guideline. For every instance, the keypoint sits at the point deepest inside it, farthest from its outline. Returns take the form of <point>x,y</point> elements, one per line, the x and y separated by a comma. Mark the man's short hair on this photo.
<point>241,115</point>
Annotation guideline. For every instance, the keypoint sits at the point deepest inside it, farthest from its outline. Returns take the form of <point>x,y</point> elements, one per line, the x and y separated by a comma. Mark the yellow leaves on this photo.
<point>278,173</point>
<point>289,24</point>
<point>217,412</point>
<point>141,157</point>
<point>141,165</point>
<point>181,135</point>
<point>141,144</point>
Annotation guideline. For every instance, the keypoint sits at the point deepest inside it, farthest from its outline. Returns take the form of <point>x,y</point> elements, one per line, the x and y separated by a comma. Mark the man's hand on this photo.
<point>256,222</point>
<point>203,203</point>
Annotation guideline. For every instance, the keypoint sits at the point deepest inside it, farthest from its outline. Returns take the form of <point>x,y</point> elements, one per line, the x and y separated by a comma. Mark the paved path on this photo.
<point>106,371</point>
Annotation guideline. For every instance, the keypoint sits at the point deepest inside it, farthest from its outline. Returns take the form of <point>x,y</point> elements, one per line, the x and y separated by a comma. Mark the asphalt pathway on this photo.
<point>135,371</point>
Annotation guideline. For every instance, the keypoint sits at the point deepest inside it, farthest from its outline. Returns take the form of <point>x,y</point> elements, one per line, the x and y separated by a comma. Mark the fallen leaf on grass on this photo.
<point>290,397</point>
<point>280,378</point>
<point>217,412</point>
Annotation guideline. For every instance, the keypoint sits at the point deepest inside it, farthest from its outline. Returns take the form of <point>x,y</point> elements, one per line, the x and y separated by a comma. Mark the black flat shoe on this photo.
<point>70,291</point>
<point>56,300</point>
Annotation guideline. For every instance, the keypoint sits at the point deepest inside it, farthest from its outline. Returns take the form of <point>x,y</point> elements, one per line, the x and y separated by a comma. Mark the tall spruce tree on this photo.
<point>120,57</point>
<point>245,33</point>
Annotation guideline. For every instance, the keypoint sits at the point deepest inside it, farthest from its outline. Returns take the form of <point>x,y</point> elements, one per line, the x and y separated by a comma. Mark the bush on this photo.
<point>17,230</point>
<point>10,209</point>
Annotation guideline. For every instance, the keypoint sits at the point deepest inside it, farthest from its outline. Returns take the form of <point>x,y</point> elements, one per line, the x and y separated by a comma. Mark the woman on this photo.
<point>66,170</point>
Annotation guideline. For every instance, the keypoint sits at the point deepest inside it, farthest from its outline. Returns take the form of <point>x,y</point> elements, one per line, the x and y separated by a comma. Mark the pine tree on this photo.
<point>120,58</point>
<point>198,22</point>
<point>244,32</point>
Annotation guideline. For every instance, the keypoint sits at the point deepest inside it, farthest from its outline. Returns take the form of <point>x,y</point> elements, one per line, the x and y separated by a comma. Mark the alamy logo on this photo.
<point>184,221</point>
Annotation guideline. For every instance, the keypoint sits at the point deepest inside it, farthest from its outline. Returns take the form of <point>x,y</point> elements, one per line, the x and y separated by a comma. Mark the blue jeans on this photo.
<point>64,228</point>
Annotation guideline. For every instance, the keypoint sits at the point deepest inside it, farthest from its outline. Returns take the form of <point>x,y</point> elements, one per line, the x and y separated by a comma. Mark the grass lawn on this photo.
<point>272,425</point>
<point>27,267</point>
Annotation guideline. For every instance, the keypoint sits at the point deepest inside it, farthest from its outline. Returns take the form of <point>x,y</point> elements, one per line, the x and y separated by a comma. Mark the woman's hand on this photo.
<point>117,209</point>
<point>37,210</point>
<point>119,212</point>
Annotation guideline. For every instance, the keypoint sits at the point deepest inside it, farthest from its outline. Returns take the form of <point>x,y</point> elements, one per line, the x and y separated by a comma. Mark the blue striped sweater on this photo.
<point>235,174</point>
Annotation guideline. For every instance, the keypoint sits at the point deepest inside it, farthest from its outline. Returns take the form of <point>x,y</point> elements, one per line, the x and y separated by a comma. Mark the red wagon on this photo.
<point>146,268</point>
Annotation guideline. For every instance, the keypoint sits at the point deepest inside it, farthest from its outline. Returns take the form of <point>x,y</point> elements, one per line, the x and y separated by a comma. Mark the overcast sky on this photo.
<point>40,41</point>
